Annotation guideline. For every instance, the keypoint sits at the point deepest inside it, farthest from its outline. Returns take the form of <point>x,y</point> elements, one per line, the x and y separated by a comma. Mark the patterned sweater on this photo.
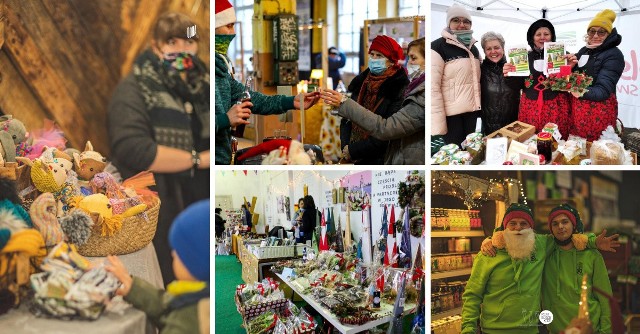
<point>228,91</point>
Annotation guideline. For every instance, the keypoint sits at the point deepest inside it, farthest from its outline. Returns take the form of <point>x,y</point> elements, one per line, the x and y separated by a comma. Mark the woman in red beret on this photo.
<point>380,89</point>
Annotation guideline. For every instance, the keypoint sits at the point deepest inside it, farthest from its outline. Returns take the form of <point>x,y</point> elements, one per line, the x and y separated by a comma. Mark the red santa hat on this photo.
<point>225,13</point>
<point>265,147</point>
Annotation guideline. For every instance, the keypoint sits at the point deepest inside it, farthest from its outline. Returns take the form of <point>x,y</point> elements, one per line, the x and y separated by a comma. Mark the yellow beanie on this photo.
<point>604,19</point>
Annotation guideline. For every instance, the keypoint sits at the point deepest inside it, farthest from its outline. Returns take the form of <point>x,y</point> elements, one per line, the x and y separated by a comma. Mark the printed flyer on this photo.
<point>518,57</point>
<point>554,57</point>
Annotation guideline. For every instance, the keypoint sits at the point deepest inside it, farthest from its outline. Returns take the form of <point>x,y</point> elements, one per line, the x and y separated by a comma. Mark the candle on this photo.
<point>302,118</point>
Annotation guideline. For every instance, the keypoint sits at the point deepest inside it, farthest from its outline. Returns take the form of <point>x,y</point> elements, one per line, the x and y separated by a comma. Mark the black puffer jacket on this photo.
<point>371,151</point>
<point>605,65</point>
<point>500,96</point>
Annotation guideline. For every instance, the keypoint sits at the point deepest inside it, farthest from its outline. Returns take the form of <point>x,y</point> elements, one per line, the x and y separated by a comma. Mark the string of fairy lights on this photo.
<point>473,190</point>
<point>298,177</point>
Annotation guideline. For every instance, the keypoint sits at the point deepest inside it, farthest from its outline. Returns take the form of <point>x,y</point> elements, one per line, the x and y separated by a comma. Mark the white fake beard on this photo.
<point>520,244</point>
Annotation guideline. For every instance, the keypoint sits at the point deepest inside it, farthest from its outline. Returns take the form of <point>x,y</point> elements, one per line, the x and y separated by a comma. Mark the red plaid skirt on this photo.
<point>590,118</point>
<point>556,110</point>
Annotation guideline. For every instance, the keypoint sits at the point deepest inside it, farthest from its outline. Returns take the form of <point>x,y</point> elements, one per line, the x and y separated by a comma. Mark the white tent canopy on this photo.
<point>570,18</point>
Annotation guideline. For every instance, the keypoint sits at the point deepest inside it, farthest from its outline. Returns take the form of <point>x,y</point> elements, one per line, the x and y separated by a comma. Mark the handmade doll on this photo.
<point>89,163</point>
<point>99,207</point>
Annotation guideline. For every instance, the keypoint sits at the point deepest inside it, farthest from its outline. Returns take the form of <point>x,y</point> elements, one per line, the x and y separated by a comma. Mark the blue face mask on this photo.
<point>377,66</point>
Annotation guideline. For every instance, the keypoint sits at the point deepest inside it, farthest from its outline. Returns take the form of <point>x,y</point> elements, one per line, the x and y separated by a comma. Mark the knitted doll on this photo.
<point>12,133</point>
<point>89,163</point>
<point>43,213</point>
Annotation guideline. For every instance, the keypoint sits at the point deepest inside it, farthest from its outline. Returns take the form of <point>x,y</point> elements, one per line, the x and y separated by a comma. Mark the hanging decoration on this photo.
<point>324,243</point>
<point>404,260</point>
<point>409,189</point>
<point>416,223</point>
<point>473,190</point>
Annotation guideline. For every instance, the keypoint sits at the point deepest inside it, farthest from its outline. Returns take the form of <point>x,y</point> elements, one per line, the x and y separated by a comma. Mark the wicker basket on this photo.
<point>135,234</point>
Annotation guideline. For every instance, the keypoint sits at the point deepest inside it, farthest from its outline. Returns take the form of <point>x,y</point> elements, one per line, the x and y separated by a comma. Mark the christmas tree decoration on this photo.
<point>339,240</point>
<point>324,242</point>
<point>404,260</point>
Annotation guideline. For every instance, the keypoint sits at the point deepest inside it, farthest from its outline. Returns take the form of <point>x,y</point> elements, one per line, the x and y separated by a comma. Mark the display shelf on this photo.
<point>451,234</point>
<point>451,273</point>
<point>445,314</point>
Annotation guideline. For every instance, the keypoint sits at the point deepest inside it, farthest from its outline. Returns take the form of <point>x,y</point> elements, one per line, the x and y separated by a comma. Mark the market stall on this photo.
<point>518,144</point>
<point>361,268</point>
<point>467,207</point>
<point>63,212</point>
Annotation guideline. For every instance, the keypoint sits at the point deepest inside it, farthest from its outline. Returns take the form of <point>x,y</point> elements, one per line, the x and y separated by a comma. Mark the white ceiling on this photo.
<point>558,11</point>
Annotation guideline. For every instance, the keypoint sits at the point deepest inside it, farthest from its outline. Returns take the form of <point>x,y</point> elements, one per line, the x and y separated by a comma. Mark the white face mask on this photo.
<point>413,70</point>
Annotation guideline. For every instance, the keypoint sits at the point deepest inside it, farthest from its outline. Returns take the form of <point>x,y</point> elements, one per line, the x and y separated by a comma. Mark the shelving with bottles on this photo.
<point>456,235</point>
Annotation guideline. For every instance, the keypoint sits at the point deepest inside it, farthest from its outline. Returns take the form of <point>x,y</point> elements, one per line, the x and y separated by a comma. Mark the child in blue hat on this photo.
<point>184,306</point>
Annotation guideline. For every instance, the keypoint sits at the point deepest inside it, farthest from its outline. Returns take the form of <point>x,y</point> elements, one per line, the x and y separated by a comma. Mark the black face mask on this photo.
<point>562,243</point>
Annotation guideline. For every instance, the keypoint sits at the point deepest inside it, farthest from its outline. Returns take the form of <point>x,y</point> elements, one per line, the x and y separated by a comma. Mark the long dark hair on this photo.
<point>308,202</point>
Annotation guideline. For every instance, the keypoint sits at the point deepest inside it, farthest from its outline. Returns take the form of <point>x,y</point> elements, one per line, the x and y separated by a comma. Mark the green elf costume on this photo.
<point>562,279</point>
<point>504,293</point>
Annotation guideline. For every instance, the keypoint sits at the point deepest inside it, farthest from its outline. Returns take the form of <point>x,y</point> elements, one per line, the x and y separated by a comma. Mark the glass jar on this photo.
<point>545,145</point>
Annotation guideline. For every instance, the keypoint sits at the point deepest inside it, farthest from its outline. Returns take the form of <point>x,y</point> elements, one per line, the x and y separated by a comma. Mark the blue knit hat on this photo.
<point>190,237</point>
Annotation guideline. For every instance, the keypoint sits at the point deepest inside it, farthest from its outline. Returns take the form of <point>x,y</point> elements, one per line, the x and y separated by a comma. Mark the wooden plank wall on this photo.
<point>61,59</point>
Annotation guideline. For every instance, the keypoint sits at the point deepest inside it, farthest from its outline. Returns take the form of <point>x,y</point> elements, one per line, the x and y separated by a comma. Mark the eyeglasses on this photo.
<point>600,32</point>
<point>457,20</point>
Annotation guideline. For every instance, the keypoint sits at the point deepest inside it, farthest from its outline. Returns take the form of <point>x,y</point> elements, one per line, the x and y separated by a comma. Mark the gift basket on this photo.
<point>60,185</point>
<point>136,233</point>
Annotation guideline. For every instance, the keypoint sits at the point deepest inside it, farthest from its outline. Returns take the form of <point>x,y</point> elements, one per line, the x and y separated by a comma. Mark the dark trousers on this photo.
<point>459,126</point>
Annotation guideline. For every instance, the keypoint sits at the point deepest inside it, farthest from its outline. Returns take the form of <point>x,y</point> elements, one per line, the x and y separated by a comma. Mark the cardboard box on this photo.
<point>517,131</point>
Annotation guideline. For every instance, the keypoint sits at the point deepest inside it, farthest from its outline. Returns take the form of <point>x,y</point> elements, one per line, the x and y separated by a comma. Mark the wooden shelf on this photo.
<point>451,273</point>
<point>452,234</point>
<point>455,311</point>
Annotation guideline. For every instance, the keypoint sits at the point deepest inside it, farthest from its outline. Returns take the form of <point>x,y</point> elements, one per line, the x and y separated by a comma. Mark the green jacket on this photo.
<point>561,285</point>
<point>228,91</point>
<point>161,309</point>
<point>505,294</point>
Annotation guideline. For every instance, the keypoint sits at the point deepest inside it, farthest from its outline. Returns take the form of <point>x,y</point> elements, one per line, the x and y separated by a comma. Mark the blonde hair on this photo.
<point>418,43</point>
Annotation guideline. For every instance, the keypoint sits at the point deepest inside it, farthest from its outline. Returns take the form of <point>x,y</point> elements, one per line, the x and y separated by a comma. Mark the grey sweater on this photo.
<point>404,129</point>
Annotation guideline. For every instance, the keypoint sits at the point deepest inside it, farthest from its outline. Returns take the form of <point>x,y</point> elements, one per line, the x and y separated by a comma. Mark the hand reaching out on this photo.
<point>607,243</point>
<point>118,269</point>
<point>331,97</point>
<point>309,100</point>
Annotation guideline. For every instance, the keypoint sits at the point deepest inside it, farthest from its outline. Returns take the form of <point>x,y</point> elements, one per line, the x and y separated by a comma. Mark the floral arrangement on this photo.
<point>576,82</point>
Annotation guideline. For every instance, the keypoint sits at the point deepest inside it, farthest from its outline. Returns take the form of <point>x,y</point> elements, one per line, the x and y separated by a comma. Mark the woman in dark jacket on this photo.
<point>380,89</point>
<point>500,94</point>
<point>309,217</point>
<point>555,106</point>
<point>405,128</point>
<point>602,60</point>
